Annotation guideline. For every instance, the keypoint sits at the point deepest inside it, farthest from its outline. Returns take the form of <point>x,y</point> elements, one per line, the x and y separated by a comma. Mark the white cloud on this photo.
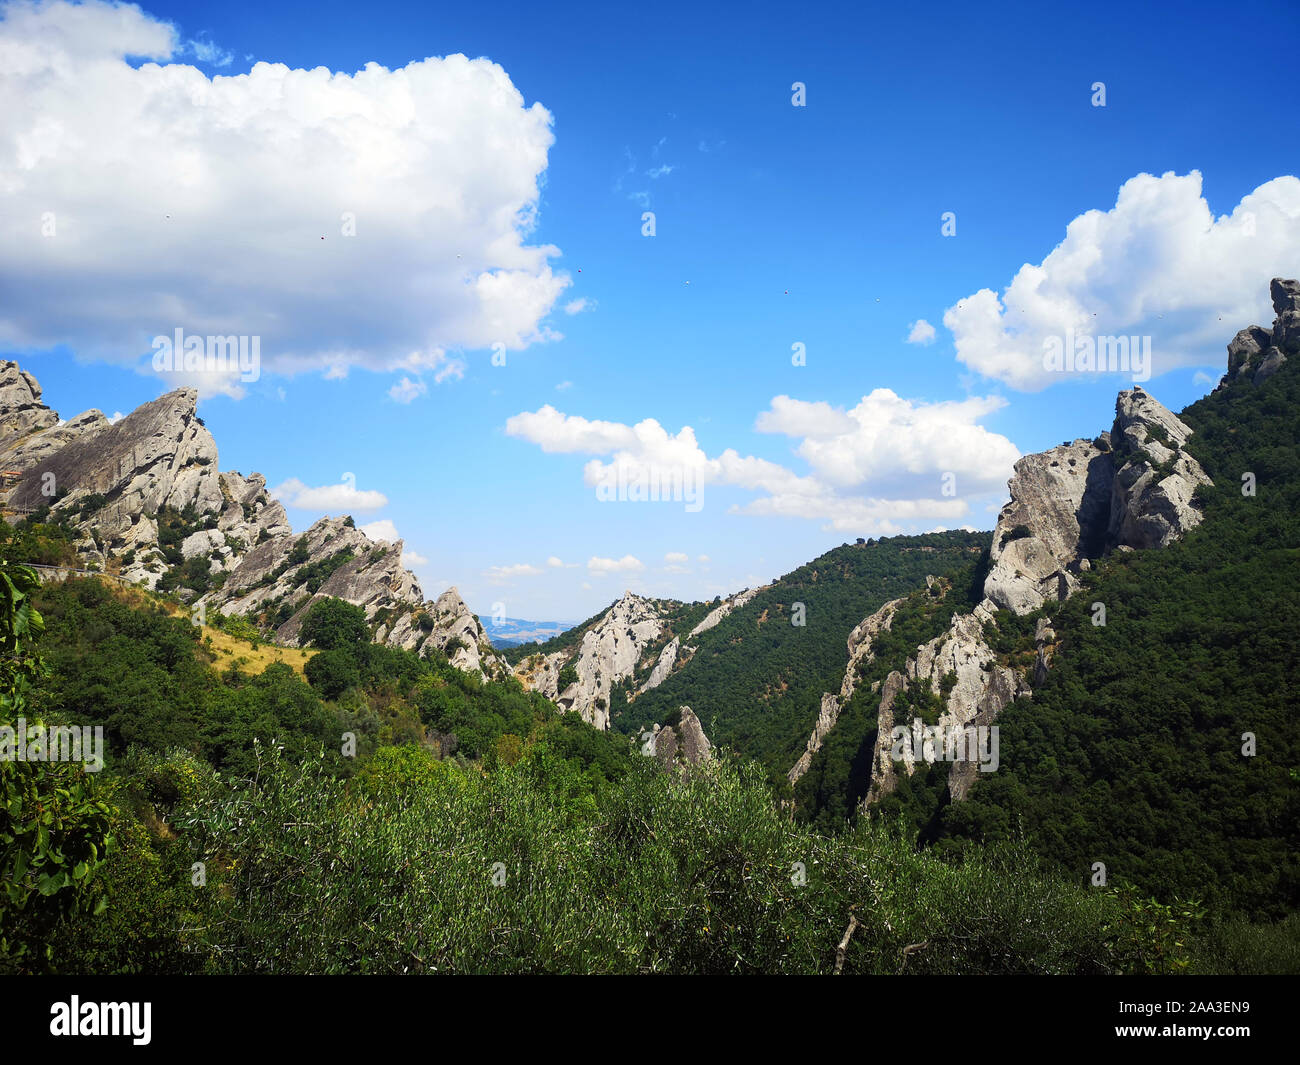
<point>882,463</point>
<point>384,531</point>
<point>703,558</point>
<point>1200,377</point>
<point>206,51</point>
<point>381,531</point>
<point>676,556</point>
<point>886,435</point>
<point>406,390</point>
<point>582,303</point>
<point>564,386</point>
<point>343,497</point>
<point>1157,264</point>
<point>554,562</point>
<point>660,171</point>
<point>922,332</point>
<point>498,574</point>
<point>602,567</point>
<point>115,417</point>
<point>180,200</point>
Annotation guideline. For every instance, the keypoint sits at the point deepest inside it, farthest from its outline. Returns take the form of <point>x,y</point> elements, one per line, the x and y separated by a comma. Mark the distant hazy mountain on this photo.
<point>509,632</point>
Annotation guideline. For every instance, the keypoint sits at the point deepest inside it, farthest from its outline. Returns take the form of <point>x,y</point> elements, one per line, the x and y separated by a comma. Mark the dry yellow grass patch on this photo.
<point>227,648</point>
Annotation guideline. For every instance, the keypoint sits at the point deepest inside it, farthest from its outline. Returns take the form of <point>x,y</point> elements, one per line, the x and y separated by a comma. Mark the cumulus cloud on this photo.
<point>180,200</point>
<point>499,574</point>
<point>343,497</point>
<point>886,461</point>
<point>922,332</point>
<point>1158,264</point>
<point>384,531</point>
<point>602,567</point>
<point>579,305</point>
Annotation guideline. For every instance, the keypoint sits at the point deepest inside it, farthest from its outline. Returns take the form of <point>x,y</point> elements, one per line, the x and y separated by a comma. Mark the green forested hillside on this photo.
<point>757,679</point>
<point>1131,753</point>
<point>230,834</point>
<point>840,774</point>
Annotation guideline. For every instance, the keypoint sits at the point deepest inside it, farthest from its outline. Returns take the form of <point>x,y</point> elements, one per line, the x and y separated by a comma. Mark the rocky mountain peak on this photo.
<point>1255,352</point>
<point>21,409</point>
<point>610,652</point>
<point>1130,487</point>
<point>683,744</point>
<point>149,501</point>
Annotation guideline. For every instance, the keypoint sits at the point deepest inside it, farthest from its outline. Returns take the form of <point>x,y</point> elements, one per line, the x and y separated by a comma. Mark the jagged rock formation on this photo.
<point>682,744</point>
<point>148,501</point>
<point>861,652</point>
<point>1127,489</point>
<point>23,412</point>
<point>1130,487</point>
<point>978,686</point>
<point>724,608</point>
<point>1257,353</point>
<point>158,456</point>
<point>456,632</point>
<point>610,652</point>
<point>1151,495</point>
<point>663,666</point>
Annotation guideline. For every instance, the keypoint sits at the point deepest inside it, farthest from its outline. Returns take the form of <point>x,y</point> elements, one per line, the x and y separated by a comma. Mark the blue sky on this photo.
<point>817,225</point>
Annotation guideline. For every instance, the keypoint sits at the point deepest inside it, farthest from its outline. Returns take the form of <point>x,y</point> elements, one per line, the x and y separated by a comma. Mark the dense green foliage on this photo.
<point>55,828</point>
<point>840,773</point>
<point>333,624</point>
<point>243,842</point>
<point>1131,752</point>
<point>421,866</point>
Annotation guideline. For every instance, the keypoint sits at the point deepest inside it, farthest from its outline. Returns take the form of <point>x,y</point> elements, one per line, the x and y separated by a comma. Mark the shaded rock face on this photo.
<point>860,653</point>
<point>1130,487</point>
<point>161,455</point>
<point>1060,503</point>
<point>684,744</point>
<point>37,445</point>
<point>610,652</point>
<point>1256,353</point>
